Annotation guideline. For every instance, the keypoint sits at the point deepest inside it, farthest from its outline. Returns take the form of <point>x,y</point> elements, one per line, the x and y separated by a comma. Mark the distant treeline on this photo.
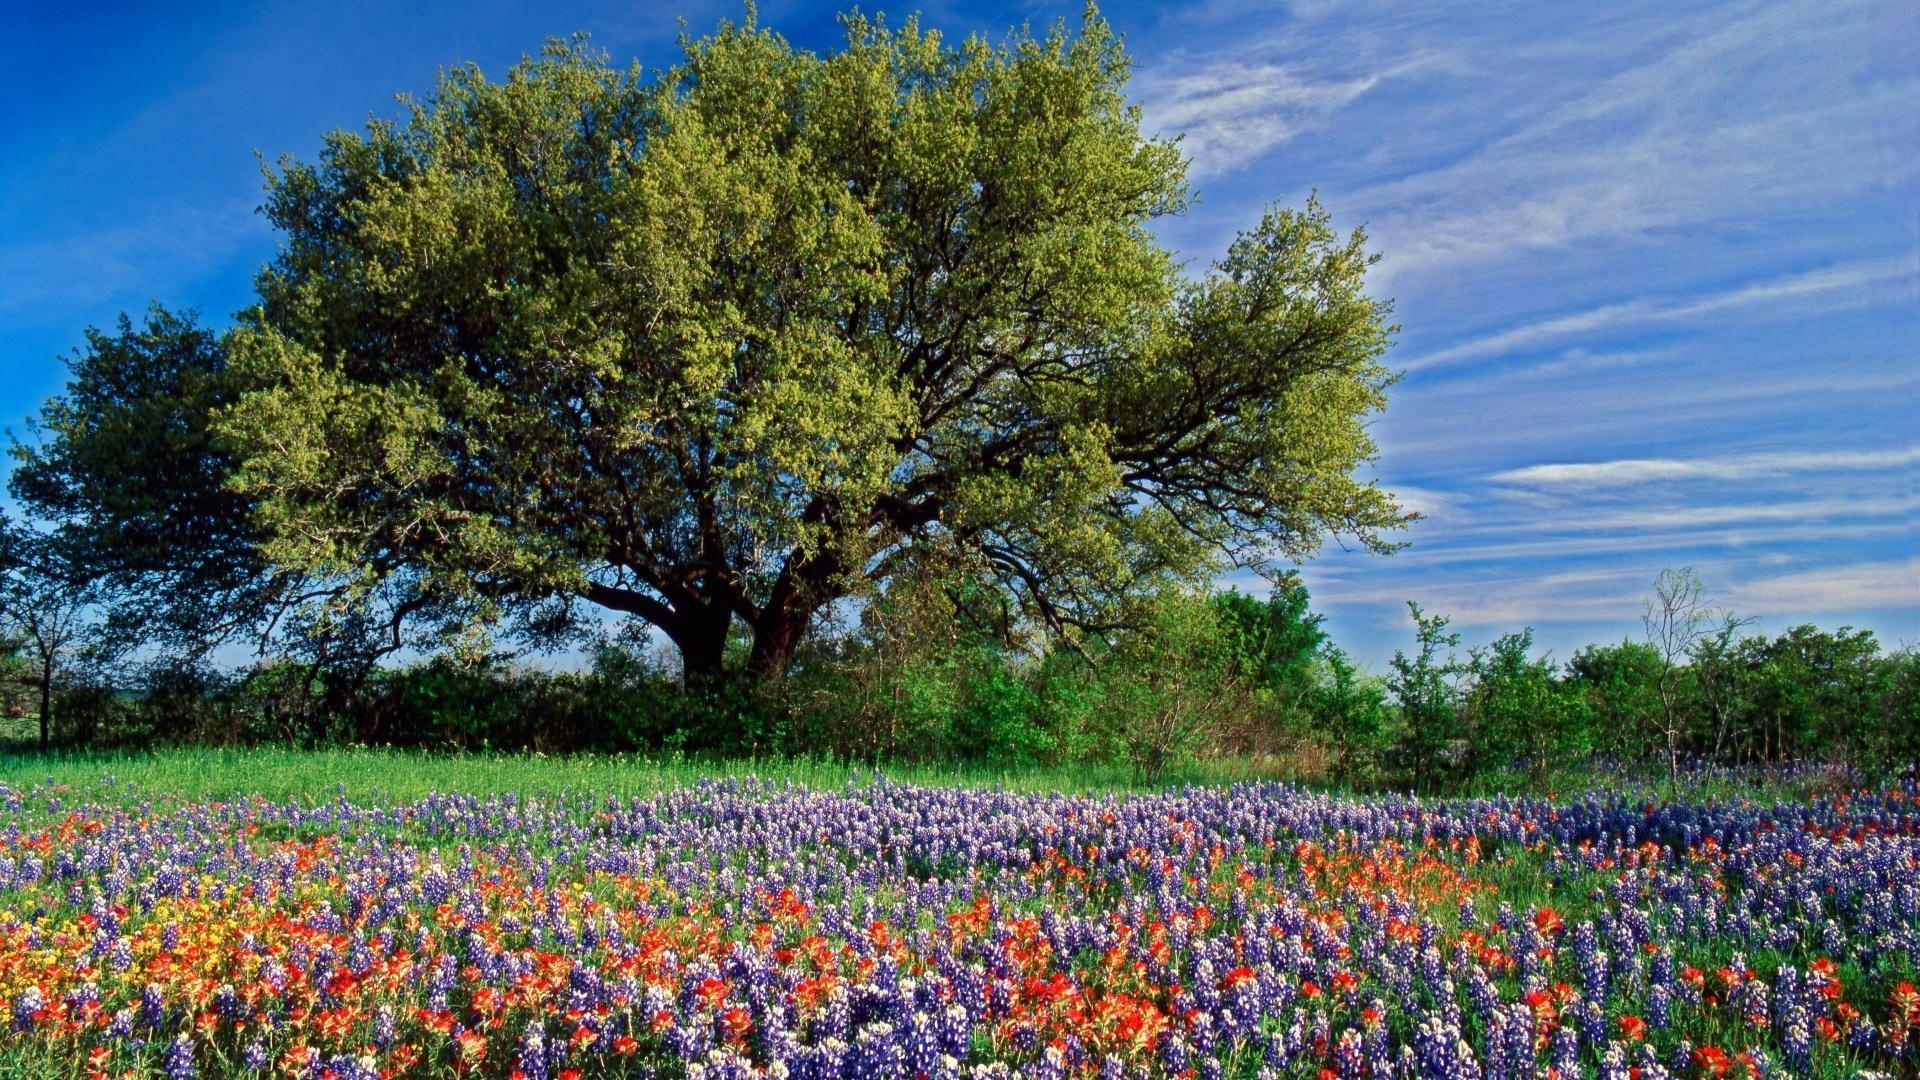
<point>923,676</point>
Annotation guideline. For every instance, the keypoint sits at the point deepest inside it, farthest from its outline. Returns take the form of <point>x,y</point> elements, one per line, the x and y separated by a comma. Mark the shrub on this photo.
<point>1521,713</point>
<point>1170,686</point>
<point>1349,711</point>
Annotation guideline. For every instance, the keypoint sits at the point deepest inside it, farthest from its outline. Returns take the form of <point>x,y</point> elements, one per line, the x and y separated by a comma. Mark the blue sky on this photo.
<point>1657,264</point>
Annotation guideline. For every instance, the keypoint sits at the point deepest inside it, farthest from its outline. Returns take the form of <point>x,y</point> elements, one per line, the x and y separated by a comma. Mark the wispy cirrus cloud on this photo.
<point>1692,544</point>
<point>1726,113</point>
<point>1510,600</point>
<point>1759,588</point>
<point>1657,259</point>
<point>1738,467</point>
<point>1510,418</point>
<point>1230,113</point>
<point>1428,502</point>
<point>1854,284</point>
<point>1584,513</point>
<point>1876,584</point>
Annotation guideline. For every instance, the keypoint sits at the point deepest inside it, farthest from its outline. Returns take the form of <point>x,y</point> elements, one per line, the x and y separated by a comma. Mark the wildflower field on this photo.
<point>734,927</point>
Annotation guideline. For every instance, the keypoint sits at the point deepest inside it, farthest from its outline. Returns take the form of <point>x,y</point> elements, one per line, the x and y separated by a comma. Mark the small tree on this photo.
<point>1277,647</point>
<point>1723,676</point>
<point>45,603</point>
<point>1521,711</point>
<point>893,685</point>
<point>1814,690</point>
<point>1171,684</point>
<point>1422,686</point>
<point>1677,617</point>
<point>129,486</point>
<point>1349,707</point>
<point>125,464</point>
<point>1897,704</point>
<point>1620,687</point>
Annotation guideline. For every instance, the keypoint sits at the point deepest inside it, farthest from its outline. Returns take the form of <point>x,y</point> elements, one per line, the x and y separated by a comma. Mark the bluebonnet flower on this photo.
<point>179,1063</point>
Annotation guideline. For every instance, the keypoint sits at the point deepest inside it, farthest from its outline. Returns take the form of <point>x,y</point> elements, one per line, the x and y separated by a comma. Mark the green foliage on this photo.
<point>1423,687</point>
<point>1895,737</point>
<point>181,702</point>
<point>1621,687</point>
<point>130,487</point>
<point>738,342</point>
<point>921,678</point>
<point>1807,692</point>
<point>930,675</point>
<point>1720,673</point>
<point>1170,685</point>
<point>1276,648</point>
<point>127,465</point>
<point>925,679</point>
<point>1814,690</point>
<point>1522,716</point>
<point>1678,618</point>
<point>1350,710</point>
<point>1003,719</point>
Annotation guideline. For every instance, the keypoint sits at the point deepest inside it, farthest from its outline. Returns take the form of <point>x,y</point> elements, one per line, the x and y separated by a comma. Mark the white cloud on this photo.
<point>1581,360</point>
<point>1525,513</point>
<point>1740,467</point>
<point>1746,111</point>
<point>1694,517</point>
<point>1426,502</point>
<point>1868,276</point>
<point>1535,333</point>
<point>1482,420</point>
<point>1511,601</point>
<point>1891,583</point>
<point>1232,112</point>
<point>1558,548</point>
<point>1858,283</point>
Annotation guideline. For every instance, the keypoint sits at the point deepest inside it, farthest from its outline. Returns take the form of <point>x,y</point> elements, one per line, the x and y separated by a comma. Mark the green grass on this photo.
<point>359,774</point>
<point>365,773</point>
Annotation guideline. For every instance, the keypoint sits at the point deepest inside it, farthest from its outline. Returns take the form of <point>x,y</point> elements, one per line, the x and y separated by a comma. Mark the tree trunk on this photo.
<point>1673,763</point>
<point>803,588</point>
<point>702,640</point>
<point>776,638</point>
<point>46,704</point>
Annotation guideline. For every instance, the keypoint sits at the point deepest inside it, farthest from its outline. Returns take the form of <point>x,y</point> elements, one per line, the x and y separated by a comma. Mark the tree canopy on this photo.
<point>720,346</point>
<point>132,491</point>
<point>135,486</point>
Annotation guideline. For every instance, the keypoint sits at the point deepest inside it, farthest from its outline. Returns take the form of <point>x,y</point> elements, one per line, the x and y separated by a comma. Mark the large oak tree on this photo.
<point>720,346</point>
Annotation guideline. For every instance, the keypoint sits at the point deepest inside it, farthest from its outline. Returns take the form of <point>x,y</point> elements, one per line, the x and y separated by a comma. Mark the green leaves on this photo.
<point>130,476</point>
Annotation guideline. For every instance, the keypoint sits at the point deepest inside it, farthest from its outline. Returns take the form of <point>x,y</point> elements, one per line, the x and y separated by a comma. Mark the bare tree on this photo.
<point>45,605</point>
<point>1677,617</point>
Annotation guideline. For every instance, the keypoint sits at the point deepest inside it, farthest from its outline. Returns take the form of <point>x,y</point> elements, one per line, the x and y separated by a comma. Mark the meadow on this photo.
<point>221,914</point>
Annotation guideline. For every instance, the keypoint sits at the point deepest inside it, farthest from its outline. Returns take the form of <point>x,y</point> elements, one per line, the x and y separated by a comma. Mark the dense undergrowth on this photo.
<point>1200,685</point>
